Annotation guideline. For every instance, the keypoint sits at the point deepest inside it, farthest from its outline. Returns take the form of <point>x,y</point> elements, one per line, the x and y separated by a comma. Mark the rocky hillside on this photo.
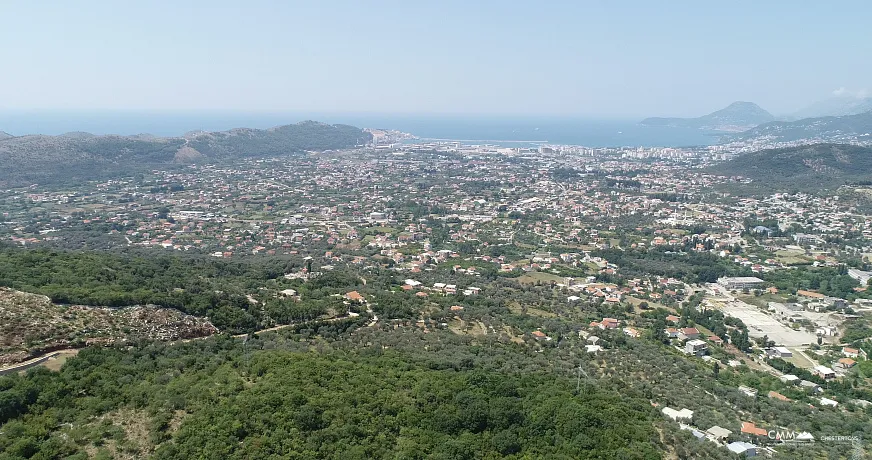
<point>32,323</point>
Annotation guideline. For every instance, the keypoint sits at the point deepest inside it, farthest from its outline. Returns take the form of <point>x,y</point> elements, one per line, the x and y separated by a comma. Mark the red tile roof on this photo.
<point>750,428</point>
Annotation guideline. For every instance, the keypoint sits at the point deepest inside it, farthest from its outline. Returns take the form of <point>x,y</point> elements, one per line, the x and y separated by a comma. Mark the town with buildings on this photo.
<point>631,244</point>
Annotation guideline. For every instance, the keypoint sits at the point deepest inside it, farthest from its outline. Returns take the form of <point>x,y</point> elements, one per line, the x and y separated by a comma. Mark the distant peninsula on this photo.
<point>736,117</point>
<point>82,156</point>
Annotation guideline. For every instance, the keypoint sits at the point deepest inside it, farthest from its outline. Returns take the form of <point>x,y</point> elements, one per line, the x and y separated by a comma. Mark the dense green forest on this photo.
<point>826,280</point>
<point>341,390</point>
<point>809,167</point>
<point>689,266</point>
<point>196,285</point>
<point>241,401</point>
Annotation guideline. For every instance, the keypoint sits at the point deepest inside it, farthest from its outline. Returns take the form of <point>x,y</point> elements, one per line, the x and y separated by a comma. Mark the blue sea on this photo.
<point>499,130</point>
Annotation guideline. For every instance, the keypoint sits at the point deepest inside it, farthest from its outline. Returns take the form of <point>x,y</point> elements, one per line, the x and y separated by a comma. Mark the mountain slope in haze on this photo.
<point>737,116</point>
<point>4,135</point>
<point>824,129</point>
<point>82,156</point>
<point>307,135</point>
<point>806,167</point>
<point>836,106</point>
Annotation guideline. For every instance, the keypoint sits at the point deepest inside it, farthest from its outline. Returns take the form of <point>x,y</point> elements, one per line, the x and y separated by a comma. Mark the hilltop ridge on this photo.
<point>816,166</point>
<point>82,156</point>
<point>836,106</point>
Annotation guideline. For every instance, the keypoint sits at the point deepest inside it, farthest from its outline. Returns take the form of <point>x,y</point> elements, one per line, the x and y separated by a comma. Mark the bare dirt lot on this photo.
<point>760,323</point>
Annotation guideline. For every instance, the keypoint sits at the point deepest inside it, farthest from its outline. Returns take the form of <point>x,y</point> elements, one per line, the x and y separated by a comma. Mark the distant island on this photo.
<point>736,117</point>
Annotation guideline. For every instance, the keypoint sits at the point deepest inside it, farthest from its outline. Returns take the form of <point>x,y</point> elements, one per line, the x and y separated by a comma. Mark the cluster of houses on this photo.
<point>410,285</point>
<point>739,444</point>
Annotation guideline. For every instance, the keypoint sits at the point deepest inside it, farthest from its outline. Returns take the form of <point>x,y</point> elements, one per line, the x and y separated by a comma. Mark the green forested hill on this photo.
<point>307,135</point>
<point>214,400</point>
<point>82,156</point>
<point>804,167</point>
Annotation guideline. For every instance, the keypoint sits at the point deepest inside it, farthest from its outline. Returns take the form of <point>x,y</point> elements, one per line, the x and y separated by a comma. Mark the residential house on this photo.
<point>688,333</point>
<point>678,415</point>
<point>743,448</point>
<point>810,295</point>
<point>696,347</point>
<point>752,429</point>
<point>810,386</point>
<point>824,372</point>
<point>355,296</point>
<point>748,391</point>
<point>717,433</point>
<point>850,352</point>
<point>540,335</point>
<point>696,433</point>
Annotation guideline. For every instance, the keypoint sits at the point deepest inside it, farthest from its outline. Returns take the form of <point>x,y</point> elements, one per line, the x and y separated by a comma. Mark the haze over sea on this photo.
<point>500,130</point>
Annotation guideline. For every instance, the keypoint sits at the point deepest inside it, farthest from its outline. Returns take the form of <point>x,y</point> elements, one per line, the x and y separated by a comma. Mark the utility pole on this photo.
<point>578,379</point>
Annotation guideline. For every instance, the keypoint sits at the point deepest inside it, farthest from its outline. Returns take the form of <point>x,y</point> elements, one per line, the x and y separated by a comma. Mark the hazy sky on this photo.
<point>604,58</point>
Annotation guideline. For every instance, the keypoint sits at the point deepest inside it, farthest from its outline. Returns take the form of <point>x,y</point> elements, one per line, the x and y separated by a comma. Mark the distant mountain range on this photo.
<point>4,135</point>
<point>738,116</point>
<point>806,167</point>
<point>83,156</point>
<point>836,106</point>
<point>825,129</point>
